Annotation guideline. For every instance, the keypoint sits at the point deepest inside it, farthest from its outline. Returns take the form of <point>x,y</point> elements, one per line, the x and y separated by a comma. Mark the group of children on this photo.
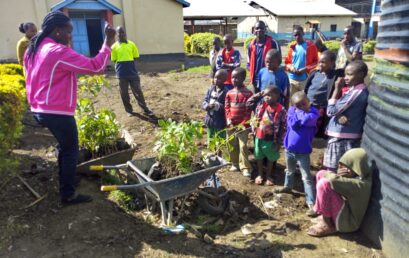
<point>330,106</point>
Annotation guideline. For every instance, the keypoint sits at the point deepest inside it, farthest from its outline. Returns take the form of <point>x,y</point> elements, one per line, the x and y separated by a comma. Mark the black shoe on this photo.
<point>149,113</point>
<point>76,199</point>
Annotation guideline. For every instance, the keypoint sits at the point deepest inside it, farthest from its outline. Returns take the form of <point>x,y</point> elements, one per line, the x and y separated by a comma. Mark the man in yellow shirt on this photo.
<point>124,53</point>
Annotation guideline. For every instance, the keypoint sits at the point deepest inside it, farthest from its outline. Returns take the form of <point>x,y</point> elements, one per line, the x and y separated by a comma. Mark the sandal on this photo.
<point>269,181</point>
<point>321,230</point>
<point>317,220</point>
<point>259,180</point>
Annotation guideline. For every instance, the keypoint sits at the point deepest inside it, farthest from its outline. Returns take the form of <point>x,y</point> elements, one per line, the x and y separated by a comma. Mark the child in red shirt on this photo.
<point>238,115</point>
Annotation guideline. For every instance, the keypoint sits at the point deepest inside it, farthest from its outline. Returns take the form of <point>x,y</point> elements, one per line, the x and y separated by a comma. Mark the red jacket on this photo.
<point>312,55</point>
<point>270,43</point>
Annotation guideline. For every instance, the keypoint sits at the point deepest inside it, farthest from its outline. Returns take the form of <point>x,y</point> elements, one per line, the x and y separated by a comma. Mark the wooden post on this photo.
<point>225,26</point>
<point>109,17</point>
<point>193,26</point>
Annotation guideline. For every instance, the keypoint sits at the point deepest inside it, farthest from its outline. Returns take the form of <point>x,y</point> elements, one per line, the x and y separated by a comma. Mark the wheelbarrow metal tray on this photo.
<point>174,187</point>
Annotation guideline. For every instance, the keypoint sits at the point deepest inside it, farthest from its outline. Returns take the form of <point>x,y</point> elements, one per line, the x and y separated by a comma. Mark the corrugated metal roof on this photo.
<point>201,9</point>
<point>303,8</point>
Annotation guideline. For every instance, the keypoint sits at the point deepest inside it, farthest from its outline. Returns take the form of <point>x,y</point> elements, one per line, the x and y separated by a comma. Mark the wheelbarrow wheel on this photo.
<point>213,206</point>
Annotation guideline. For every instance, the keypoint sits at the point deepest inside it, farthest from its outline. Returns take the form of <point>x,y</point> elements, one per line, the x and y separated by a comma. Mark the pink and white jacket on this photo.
<point>51,81</point>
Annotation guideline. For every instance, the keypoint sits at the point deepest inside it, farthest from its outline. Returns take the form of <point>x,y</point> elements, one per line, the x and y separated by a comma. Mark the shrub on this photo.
<point>15,84</point>
<point>333,45</point>
<point>369,47</point>
<point>11,69</point>
<point>247,42</point>
<point>186,42</point>
<point>12,106</point>
<point>202,43</point>
<point>98,130</point>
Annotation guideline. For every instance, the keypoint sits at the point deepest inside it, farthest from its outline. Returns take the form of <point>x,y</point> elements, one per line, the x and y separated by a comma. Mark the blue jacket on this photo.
<point>353,106</point>
<point>301,127</point>
<point>216,117</point>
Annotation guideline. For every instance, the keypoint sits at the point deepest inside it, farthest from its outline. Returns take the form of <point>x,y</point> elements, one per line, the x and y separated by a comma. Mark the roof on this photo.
<point>303,8</point>
<point>217,9</point>
<point>183,3</point>
<point>86,5</point>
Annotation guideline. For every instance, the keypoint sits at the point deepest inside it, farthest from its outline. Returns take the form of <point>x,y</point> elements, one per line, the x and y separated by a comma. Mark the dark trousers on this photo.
<point>65,131</point>
<point>136,90</point>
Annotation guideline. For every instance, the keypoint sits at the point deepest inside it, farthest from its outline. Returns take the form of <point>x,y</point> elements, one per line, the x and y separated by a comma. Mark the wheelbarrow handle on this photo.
<point>103,167</point>
<point>108,188</point>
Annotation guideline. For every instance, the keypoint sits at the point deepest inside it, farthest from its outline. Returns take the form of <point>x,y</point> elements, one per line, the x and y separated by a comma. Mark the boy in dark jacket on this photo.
<point>213,103</point>
<point>319,88</point>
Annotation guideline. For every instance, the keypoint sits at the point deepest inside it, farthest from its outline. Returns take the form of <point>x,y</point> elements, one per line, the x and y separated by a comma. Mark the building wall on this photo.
<point>245,25</point>
<point>156,26</point>
<point>28,11</point>
<point>281,27</point>
<point>285,25</point>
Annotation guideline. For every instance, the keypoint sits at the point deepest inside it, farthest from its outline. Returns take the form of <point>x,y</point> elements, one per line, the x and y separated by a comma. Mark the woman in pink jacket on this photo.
<point>51,68</point>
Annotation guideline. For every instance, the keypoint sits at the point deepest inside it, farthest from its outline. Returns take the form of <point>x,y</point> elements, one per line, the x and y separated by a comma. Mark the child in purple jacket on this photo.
<point>301,127</point>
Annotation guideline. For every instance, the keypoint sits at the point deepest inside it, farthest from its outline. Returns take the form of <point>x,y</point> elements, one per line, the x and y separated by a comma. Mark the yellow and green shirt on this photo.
<point>22,45</point>
<point>124,55</point>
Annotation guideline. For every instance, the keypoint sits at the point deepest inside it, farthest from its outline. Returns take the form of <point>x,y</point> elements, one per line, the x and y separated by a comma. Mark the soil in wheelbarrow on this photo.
<point>168,169</point>
<point>102,229</point>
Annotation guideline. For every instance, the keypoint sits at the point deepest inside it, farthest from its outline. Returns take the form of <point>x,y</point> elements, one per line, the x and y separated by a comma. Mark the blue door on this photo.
<point>80,36</point>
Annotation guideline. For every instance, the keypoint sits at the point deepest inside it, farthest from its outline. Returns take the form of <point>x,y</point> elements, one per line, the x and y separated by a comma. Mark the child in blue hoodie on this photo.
<point>301,127</point>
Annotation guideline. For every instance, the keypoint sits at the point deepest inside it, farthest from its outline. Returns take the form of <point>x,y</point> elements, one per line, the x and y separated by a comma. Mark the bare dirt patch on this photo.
<point>101,229</point>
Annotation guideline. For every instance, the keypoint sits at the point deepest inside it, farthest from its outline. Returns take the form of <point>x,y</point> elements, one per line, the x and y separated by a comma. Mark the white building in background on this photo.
<point>328,17</point>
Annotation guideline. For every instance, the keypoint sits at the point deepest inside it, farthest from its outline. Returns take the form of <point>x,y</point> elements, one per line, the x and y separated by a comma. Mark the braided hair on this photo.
<point>25,26</point>
<point>51,21</point>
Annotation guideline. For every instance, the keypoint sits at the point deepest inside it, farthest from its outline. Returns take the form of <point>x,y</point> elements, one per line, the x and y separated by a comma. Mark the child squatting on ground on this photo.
<point>272,74</point>
<point>342,198</point>
<point>213,103</point>
<point>347,114</point>
<point>301,127</point>
<point>268,129</point>
<point>238,116</point>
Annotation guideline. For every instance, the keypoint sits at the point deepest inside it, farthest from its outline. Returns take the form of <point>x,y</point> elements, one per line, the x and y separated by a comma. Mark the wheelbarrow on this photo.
<point>165,191</point>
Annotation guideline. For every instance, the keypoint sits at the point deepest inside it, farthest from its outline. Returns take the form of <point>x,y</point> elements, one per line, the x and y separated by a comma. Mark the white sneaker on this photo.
<point>246,173</point>
<point>234,168</point>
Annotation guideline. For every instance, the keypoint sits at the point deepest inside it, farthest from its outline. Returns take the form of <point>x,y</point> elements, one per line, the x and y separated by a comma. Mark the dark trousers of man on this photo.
<point>65,131</point>
<point>135,84</point>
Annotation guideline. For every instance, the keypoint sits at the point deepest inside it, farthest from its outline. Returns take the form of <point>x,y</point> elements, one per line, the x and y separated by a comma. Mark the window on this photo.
<point>333,27</point>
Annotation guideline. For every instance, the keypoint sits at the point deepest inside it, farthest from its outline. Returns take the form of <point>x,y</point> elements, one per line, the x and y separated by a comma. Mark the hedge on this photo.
<point>11,69</point>
<point>369,47</point>
<point>247,42</point>
<point>12,107</point>
<point>202,43</point>
<point>333,45</point>
<point>186,42</point>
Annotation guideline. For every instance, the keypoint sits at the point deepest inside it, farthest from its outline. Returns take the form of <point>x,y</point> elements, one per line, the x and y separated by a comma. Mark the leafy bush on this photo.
<point>98,130</point>
<point>11,69</point>
<point>247,42</point>
<point>333,45</point>
<point>186,42</point>
<point>202,43</point>
<point>177,144</point>
<point>12,106</point>
<point>369,47</point>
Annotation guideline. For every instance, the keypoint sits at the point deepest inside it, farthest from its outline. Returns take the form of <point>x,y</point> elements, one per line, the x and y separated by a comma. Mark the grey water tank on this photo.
<point>386,133</point>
